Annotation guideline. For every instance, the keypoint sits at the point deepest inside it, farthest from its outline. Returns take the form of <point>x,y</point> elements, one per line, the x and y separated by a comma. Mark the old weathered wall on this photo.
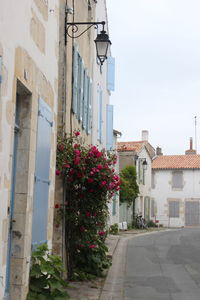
<point>29,50</point>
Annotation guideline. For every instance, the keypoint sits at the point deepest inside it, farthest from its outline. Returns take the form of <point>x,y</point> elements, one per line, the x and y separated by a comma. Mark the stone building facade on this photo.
<point>83,94</point>
<point>28,125</point>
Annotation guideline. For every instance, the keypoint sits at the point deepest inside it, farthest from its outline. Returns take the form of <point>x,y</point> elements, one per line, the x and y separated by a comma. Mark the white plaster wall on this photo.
<point>145,189</point>
<point>164,191</point>
<point>100,81</point>
<point>114,219</point>
<point>15,19</point>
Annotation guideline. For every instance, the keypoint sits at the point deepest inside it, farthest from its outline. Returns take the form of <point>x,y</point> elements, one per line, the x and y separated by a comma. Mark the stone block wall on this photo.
<point>29,50</point>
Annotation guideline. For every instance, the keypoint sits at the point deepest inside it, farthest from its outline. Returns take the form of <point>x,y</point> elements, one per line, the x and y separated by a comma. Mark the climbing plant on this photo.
<point>90,182</point>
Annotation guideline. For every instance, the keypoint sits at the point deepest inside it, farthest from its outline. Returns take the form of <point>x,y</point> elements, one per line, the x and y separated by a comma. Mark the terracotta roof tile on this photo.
<point>176,162</point>
<point>135,146</point>
<point>130,146</point>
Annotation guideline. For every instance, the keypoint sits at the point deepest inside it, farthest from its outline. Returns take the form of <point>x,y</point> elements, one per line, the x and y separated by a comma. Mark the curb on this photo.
<point>112,242</point>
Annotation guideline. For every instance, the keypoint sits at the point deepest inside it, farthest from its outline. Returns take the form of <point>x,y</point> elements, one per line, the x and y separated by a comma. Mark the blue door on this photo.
<point>42,165</point>
<point>12,198</point>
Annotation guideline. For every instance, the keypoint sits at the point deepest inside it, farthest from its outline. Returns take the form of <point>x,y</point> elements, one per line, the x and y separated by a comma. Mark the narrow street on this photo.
<point>156,266</point>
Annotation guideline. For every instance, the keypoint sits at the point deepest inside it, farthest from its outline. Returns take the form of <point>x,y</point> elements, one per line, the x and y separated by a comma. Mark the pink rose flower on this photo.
<point>102,233</point>
<point>90,180</point>
<point>77,133</point>
<point>77,161</point>
<point>58,172</point>
<point>92,246</point>
<point>71,172</point>
<point>103,182</point>
<point>66,166</point>
<point>77,152</point>
<point>60,147</point>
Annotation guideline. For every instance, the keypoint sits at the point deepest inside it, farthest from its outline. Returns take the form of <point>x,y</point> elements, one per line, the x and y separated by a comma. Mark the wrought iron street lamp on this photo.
<point>102,40</point>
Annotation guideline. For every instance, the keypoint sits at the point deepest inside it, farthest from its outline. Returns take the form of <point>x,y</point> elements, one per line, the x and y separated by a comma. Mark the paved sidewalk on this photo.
<point>94,290</point>
<point>91,290</point>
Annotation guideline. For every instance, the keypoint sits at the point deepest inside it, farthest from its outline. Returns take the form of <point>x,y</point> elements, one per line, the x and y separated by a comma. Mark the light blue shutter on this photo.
<point>100,96</point>
<point>42,165</point>
<point>85,100</point>
<point>89,107</point>
<point>109,127</point>
<point>75,78</point>
<point>111,73</point>
<point>81,90</point>
<point>80,87</point>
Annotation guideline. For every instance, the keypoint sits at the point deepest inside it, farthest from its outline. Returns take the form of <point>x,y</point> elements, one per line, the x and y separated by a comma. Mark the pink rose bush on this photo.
<point>90,182</point>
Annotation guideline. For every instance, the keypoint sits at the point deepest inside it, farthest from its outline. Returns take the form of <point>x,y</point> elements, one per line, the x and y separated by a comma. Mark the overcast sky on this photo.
<point>156,44</point>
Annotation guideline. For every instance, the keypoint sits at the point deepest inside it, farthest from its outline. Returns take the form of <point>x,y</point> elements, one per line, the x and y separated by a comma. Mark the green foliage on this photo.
<point>90,182</point>
<point>129,189</point>
<point>114,229</point>
<point>150,223</point>
<point>46,281</point>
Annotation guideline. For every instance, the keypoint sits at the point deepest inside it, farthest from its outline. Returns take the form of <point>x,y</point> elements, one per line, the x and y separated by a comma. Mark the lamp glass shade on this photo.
<point>102,44</point>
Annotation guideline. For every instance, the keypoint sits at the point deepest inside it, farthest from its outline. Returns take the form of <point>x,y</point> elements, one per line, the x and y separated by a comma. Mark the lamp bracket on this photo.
<point>73,27</point>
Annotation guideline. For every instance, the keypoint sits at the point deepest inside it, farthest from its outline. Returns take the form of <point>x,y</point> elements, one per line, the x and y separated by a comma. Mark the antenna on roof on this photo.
<point>195,132</point>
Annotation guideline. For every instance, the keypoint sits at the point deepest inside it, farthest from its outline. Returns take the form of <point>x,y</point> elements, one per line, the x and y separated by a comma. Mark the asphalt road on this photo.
<point>162,266</point>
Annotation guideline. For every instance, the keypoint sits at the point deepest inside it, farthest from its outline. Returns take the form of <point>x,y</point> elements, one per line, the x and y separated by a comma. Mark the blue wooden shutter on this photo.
<point>89,107</point>
<point>81,90</point>
<point>111,73</point>
<point>42,165</point>
<point>75,78</point>
<point>109,127</point>
<point>85,100</point>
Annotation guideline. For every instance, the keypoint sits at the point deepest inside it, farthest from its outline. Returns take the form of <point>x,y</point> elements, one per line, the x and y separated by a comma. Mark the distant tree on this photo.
<point>129,188</point>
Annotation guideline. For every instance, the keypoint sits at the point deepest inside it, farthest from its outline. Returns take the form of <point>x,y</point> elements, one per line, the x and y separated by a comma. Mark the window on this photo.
<point>177,179</point>
<point>141,171</point>
<point>82,92</point>
<point>153,208</point>
<point>174,209</point>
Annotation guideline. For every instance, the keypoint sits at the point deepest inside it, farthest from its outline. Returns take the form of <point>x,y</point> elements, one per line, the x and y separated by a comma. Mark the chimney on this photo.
<point>191,150</point>
<point>159,151</point>
<point>145,135</point>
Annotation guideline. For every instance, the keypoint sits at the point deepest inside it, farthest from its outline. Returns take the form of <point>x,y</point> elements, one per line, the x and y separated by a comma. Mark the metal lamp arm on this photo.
<point>74,26</point>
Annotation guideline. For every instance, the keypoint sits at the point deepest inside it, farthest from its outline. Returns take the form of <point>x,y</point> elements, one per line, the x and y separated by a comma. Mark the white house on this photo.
<point>139,154</point>
<point>176,190</point>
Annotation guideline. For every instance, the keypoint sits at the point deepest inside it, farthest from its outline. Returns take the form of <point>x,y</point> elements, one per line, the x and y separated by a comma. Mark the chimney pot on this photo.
<point>159,151</point>
<point>191,144</point>
<point>191,150</point>
<point>145,135</point>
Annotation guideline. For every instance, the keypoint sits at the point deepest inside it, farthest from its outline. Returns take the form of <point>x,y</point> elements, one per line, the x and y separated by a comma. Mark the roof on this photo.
<point>191,161</point>
<point>136,147</point>
<point>130,146</point>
